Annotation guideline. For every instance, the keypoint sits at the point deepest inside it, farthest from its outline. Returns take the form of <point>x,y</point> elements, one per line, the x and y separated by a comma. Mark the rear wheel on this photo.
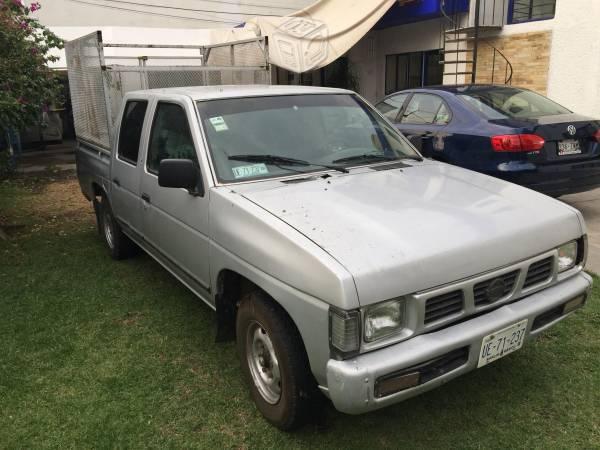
<point>274,361</point>
<point>119,245</point>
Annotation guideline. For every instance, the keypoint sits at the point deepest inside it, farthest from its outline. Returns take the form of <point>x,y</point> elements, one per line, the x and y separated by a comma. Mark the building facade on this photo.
<point>550,46</point>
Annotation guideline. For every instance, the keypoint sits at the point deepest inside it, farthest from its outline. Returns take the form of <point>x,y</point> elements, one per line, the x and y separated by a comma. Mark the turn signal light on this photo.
<point>596,136</point>
<point>517,143</point>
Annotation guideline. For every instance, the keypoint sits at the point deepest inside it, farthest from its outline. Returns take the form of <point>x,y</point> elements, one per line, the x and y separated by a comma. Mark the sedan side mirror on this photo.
<point>180,173</point>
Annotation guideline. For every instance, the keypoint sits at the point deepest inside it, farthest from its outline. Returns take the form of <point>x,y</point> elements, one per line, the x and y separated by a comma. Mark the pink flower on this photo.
<point>23,25</point>
<point>34,51</point>
<point>34,6</point>
<point>18,3</point>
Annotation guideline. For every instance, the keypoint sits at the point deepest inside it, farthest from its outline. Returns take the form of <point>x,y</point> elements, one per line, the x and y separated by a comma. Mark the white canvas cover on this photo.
<point>314,36</point>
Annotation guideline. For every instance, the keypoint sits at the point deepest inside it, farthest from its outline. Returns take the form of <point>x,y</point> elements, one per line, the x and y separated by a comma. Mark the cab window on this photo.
<point>170,137</point>
<point>131,130</point>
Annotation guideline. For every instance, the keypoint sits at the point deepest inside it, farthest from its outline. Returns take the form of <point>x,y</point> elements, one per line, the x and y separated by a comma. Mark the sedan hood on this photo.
<point>403,230</point>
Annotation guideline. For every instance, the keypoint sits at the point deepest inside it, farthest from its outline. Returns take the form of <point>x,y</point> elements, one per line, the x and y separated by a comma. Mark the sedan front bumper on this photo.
<point>351,384</point>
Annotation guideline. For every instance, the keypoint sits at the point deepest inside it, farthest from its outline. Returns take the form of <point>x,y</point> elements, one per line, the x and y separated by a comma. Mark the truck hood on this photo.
<point>404,230</point>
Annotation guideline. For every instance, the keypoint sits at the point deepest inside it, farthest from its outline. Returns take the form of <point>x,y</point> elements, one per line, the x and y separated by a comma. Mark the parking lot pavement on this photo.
<point>54,156</point>
<point>589,204</point>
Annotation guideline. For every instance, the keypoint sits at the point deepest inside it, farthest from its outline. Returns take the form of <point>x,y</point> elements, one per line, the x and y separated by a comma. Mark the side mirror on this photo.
<point>180,173</point>
<point>417,141</point>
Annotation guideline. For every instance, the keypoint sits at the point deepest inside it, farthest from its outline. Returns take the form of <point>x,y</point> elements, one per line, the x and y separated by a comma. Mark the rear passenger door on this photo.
<point>425,115</point>
<point>125,173</point>
<point>175,223</point>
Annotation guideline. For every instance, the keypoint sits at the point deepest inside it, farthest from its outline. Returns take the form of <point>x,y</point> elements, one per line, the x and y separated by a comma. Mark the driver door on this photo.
<point>175,222</point>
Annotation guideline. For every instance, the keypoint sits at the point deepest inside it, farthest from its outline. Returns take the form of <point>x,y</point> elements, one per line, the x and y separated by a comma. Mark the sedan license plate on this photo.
<point>501,343</point>
<point>570,147</point>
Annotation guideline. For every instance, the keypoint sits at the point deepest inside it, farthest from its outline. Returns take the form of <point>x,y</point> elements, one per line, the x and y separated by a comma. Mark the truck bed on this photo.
<point>93,169</point>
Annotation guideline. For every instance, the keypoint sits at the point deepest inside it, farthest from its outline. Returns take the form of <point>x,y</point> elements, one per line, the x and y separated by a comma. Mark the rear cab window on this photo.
<point>130,131</point>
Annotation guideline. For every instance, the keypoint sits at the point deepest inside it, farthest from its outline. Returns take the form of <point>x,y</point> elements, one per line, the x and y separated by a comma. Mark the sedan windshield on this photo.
<point>498,102</point>
<point>263,137</point>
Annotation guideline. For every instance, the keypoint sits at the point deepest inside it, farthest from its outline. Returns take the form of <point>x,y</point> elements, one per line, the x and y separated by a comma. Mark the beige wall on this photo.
<point>369,54</point>
<point>529,54</point>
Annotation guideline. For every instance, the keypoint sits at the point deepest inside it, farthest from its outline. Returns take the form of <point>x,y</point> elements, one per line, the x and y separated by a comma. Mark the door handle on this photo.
<point>117,182</point>
<point>146,198</point>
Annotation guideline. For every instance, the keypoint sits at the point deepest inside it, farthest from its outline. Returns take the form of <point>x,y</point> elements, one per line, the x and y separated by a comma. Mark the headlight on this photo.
<point>567,256</point>
<point>384,319</point>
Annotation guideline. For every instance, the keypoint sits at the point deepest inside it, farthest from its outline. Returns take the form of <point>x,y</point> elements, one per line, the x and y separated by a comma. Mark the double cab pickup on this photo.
<point>341,261</point>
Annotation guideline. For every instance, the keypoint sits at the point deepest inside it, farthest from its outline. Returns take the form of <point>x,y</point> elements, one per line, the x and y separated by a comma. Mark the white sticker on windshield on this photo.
<point>253,170</point>
<point>218,123</point>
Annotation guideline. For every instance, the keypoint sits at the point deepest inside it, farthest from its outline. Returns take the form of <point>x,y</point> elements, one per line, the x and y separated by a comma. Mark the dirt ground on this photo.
<point>54,200</point>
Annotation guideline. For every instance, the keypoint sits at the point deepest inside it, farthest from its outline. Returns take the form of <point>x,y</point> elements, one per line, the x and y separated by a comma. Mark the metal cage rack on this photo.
<point>98,81</point>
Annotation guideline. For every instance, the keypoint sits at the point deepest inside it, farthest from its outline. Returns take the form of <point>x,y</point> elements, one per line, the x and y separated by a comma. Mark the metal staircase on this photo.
<point>464,44</point>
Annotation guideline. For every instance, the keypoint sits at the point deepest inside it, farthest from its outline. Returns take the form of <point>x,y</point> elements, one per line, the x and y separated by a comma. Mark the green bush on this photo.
<point>27,84</point>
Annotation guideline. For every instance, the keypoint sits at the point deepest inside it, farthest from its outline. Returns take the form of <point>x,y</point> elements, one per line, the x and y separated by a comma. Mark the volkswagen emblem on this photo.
<point>572,130</point>
<point>495,290</point>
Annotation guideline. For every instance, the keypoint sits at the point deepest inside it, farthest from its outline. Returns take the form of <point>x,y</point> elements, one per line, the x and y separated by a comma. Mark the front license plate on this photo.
<point>501,343</point>
<point>570,147</point>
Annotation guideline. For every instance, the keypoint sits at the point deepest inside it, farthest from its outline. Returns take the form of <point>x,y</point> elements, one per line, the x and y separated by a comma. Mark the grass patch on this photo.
<point>97,353</point>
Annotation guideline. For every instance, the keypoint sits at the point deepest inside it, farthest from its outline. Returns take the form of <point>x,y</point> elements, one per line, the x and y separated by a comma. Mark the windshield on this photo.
<point>262,137</point>
<point>496,102</point>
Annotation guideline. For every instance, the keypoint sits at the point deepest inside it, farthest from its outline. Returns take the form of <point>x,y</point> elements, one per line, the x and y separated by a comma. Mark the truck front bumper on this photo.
<point>444,354</point>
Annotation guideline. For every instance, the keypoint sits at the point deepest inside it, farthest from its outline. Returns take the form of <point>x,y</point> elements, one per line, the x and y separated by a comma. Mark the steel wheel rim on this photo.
<point>263,363</point>
<point>108,229</point>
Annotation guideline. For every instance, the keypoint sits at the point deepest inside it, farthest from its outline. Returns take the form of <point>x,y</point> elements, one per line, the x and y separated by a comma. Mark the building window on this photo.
<point>530,10</point>
<point>338,74</point>
<point>412,70</point>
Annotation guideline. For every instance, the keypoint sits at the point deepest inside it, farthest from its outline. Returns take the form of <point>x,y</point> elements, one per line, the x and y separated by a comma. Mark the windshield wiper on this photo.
<point>283,161</point>
<point>365,157</point>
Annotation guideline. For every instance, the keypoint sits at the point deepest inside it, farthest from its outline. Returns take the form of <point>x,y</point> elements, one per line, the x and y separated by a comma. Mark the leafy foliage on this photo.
<point>27,85</point>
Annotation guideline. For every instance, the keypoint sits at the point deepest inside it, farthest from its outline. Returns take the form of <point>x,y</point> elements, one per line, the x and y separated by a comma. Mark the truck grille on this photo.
<point>481,291</point>
<point>471,296</point>
<point>443,306</point>
<point>539,272</point>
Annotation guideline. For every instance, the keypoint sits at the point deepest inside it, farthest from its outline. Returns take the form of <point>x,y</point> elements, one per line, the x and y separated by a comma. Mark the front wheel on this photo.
<point>274,361</point>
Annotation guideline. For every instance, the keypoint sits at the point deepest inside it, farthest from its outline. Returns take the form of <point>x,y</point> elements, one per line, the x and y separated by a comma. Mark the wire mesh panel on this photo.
<point>98,89</point>
<point>240,54</point>
<point>87,89</point>
<point>124,79</point>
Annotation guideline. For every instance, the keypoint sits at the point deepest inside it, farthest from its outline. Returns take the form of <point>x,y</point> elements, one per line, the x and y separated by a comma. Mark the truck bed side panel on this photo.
<point>93,169</point>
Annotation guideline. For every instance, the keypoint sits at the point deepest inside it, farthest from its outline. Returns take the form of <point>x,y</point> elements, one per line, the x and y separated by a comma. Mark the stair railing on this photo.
<point>455,25</point>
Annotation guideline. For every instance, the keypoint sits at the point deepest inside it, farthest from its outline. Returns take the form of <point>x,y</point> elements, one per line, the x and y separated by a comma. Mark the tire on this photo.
<point>261,324</point>
<point>119,245</point>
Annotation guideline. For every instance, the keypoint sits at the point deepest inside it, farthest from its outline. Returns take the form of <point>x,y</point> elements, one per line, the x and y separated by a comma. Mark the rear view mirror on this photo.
<point>180,173</point>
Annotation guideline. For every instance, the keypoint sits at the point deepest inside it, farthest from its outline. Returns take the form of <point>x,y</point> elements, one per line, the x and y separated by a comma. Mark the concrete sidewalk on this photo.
<point>589,205</point>
<point>53,157</point>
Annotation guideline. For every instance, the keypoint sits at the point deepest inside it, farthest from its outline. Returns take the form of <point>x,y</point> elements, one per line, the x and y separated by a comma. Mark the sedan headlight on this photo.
<point>567,256</point>
<point>384,319</point>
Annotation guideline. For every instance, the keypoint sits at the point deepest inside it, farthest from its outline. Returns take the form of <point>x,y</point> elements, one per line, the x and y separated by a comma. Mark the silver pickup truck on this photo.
<point>340,260</point>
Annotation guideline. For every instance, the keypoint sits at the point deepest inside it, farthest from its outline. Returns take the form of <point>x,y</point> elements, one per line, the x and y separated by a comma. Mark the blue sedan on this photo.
<point>510,133</point>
